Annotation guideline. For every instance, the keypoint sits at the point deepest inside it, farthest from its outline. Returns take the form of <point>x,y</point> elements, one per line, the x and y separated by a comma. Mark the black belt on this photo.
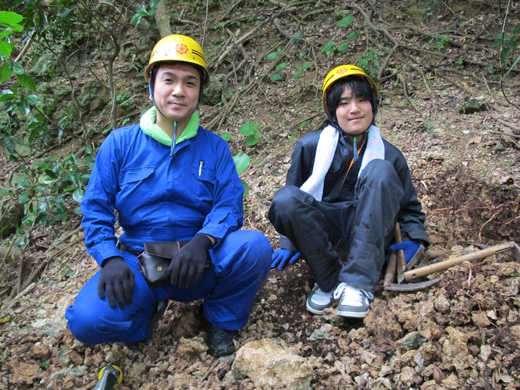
<point>125,248</point>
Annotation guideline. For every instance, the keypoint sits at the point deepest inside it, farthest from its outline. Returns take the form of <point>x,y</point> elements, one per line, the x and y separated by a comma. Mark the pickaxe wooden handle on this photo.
<point>401,261</point>
<point>390,270</point>
<point>392,260</point>
<point>442,265</point>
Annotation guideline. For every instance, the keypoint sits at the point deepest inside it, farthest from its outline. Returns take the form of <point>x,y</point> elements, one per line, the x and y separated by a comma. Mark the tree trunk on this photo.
<point>163,21</point>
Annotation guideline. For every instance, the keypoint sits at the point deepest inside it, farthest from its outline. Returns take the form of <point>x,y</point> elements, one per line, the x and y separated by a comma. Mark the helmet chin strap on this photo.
<point>151,80</point>
<point>174,138</point>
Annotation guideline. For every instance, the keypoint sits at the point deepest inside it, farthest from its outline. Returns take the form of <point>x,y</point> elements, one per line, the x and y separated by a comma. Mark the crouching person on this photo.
<point>345,190</point>
<point>168,179</point>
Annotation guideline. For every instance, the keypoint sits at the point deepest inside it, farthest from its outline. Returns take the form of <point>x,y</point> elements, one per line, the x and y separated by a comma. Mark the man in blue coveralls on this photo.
<point>346,189</point>
<point>169,179</point>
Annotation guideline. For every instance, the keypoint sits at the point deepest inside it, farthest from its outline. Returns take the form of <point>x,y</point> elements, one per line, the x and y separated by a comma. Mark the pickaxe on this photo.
<point>397,262</point>
<point>442,265</point>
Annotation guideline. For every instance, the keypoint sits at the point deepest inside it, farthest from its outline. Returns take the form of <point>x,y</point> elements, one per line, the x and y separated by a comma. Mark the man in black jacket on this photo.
<point>345,190</point>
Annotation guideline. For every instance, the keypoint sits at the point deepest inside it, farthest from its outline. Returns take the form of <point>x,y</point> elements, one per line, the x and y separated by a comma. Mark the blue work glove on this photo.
<point>282,256</point>
<point>409,248</point>
<point>188,265</point>
<point>118,280</point>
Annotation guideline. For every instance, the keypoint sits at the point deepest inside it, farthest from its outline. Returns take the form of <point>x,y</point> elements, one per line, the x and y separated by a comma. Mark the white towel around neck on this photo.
<point>325,150</point>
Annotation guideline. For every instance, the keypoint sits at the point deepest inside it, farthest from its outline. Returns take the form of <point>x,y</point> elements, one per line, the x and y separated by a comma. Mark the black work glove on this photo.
<point>188,265</point>
<point>118,280</point>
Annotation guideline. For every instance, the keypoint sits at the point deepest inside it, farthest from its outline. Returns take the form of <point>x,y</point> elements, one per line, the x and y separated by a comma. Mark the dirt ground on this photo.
<point>461,333</point>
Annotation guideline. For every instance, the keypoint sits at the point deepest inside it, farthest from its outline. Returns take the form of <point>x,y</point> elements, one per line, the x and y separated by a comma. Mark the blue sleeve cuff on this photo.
<point>102,251</point>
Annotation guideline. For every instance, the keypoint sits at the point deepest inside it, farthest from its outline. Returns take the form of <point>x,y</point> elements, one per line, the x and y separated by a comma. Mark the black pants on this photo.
<point>344,241</point>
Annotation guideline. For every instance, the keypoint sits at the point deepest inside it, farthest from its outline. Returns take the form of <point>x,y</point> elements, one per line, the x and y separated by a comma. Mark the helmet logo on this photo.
<point>181,48</point>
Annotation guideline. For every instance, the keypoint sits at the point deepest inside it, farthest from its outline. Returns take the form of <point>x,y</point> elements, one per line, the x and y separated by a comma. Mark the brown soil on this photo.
<point>462,333</point>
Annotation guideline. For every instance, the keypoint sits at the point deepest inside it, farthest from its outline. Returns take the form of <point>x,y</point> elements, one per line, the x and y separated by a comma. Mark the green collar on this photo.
<point>150,128</point>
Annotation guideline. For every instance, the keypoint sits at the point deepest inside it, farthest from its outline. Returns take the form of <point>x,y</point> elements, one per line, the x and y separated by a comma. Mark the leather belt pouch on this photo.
<point>156,259</point>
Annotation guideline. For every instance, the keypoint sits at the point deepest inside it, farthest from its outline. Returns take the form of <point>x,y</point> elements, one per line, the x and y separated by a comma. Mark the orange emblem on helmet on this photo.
<point>181,48</point>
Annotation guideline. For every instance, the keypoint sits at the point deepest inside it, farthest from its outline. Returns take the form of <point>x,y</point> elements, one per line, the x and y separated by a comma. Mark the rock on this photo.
<point>323,333</point>
<point>451,382</point>
<point>412,341</point>
<point>429,385</point>
<point>39,351</point>
<point>379,321</point>
<point>473,105</point>
<point>410,377</point>
<point>269,365</point>
<point>49,326</point>
<point>485,352</point>
<point>438,375</point>
<point>515,331</point>
<point>381,384</point>
<point>137,369</point>
<point>442,304</point>
<point>480,319</point>
<point>24,373</point>
<point>64,378</point>
<point>431,330</point>
<point>429,352</point>
<point>455,349</point>
<point>191,347</point>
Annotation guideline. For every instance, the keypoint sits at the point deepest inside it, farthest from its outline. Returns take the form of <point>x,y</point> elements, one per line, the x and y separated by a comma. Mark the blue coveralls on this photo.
<point>163,198</point>
<point>343,238</point>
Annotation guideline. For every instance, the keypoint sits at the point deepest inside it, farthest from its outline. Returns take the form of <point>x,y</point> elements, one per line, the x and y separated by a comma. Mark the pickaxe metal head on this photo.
<point>414,260</point>
<point>409,287</point>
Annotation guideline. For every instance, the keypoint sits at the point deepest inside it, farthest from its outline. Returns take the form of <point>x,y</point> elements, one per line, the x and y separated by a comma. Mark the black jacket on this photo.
<point>339,186</point>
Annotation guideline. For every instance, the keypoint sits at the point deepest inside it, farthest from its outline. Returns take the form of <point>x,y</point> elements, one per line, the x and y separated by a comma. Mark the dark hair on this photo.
<point>360,87</point>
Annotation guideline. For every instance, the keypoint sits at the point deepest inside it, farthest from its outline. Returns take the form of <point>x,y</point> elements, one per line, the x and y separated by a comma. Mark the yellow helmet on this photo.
<point>340,72</point>
<point>178,48</point>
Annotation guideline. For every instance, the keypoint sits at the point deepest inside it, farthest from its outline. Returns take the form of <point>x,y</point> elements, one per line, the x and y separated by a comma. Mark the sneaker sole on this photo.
<point>313,310</point>
<point>352,314</point>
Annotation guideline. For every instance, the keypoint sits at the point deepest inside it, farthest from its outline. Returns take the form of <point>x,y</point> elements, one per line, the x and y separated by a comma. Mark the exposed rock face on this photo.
<point>268,364</point>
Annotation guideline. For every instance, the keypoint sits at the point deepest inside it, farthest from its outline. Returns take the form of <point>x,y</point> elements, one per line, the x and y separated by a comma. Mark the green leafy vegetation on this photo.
<point>143,13</point>
<point>346,21</point>
<point>507,42</point>
<point>252,131</point>
<point>16,101</point>
<point>332,48</point>
<point>369,62</point>
<point>242,162</point>
<point>50,187</point>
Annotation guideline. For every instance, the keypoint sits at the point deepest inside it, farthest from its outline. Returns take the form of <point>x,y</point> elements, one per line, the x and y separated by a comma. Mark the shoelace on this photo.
<point>322,293</point>
<point>355,294</point>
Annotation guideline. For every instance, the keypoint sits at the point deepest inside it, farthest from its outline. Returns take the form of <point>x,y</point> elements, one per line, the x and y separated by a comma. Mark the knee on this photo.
<point>283,201</point>
<point>257,244</point>
<point>380,176</point>
<point>249,248</point>
<point>380,172</point>
<point>379,169</point>
<point>82,325</point>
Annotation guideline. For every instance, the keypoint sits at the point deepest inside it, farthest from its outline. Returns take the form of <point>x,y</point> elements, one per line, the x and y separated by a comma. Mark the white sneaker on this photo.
<point>353,302</point>
<point>317,301</point>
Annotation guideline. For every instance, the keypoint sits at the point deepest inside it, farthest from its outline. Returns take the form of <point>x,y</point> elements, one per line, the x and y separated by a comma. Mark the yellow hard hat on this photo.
<point>340,72</point>
<point>178,48</point>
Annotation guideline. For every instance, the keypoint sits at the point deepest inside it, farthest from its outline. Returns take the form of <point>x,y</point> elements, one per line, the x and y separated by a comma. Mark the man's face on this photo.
<point>176,92</point>
<point>354,114</point>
